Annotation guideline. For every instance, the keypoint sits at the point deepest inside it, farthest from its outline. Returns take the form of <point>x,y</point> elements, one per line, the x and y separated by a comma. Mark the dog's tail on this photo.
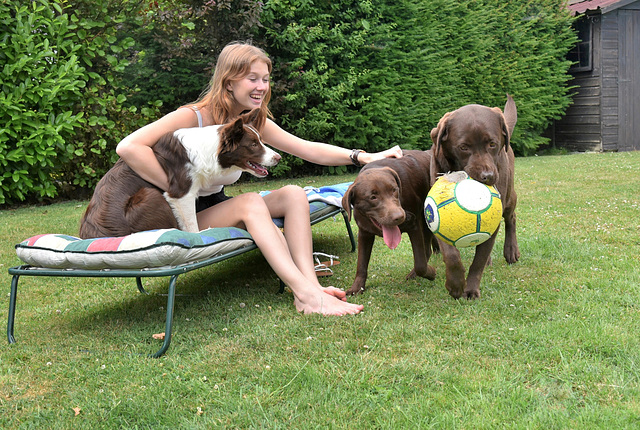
<point>147,209</point>
<point>102,222</point>
<point>122,215</point>
<point>87,229</point>
<point>346,202</point>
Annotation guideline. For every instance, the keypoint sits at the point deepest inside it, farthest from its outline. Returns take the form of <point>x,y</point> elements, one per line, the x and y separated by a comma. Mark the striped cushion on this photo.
<point>153,248</point>
<point>157,248</point>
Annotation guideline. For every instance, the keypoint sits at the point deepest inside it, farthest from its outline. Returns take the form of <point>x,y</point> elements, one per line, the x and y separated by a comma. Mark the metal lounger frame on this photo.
<point>173,272</point>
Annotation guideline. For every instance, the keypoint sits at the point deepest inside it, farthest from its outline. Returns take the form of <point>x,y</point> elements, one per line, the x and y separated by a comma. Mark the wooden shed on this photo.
<point>605,114</point>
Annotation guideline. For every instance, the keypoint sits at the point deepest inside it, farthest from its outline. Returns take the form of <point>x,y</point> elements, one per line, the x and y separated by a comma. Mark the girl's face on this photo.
<point>249,91</point>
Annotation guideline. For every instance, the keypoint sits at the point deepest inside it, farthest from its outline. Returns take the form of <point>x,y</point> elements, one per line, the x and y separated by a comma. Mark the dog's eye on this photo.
<point>464,148</point>
<point>493,145</point>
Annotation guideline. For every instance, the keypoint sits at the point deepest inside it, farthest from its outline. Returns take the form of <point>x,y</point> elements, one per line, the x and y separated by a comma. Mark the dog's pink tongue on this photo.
<point>391,236</point>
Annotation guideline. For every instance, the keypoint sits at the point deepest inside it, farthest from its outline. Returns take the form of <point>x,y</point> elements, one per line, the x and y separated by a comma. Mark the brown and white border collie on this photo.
<point>193,158</point>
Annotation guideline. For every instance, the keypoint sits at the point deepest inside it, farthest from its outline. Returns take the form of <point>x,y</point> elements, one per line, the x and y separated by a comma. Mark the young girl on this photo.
<point>241,82</point>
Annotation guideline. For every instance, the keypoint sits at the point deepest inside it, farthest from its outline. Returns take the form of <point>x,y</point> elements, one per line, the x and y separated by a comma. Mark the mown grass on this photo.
<point>553,342</point>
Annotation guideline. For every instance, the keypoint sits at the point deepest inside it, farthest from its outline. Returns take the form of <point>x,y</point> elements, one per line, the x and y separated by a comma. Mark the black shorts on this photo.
<point>205,202</point>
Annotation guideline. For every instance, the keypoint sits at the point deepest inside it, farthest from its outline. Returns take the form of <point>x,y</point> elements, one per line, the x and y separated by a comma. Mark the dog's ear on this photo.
<point>439,135</point>
<point>505,133</point>
<point>251,117</point>
<point>441,132</point>
<point>230,135</point>
<point>396,177</point>
<point>255,118</point>
<point>510,117</point>
<point>346,200</point>
<point>503,127</point>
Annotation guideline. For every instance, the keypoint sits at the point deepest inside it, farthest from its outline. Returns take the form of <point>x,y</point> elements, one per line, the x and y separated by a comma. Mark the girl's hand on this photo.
<point>395,152</point>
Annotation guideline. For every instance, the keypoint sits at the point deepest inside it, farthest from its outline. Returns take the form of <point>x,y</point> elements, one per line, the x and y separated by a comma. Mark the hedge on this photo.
<point>365,74</point>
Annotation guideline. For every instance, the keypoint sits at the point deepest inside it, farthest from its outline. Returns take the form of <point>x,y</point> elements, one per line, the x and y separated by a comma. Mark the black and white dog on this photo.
<point>193,159</point>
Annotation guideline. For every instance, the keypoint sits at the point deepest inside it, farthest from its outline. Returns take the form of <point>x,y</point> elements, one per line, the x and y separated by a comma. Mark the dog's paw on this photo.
<point>455,289</point>
<point>511,254</point>
<point>429,273</point>
<point>472,294</point>
<point>355,290</point>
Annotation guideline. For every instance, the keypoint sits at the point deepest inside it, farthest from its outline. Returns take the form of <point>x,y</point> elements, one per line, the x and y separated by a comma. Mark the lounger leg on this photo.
<point>169,323</point>
<point>140,287</point>
<point>12,308</point>
<point>348,224</point>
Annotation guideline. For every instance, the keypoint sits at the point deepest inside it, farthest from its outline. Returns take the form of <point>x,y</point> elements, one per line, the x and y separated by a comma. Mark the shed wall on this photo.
<point>581,127</point>
<point>610,71</point>
<point>605,114</point>
<point>629,78</point>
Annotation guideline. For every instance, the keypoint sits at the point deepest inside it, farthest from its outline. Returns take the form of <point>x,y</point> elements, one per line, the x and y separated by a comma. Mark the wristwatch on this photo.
<point>354,157</point>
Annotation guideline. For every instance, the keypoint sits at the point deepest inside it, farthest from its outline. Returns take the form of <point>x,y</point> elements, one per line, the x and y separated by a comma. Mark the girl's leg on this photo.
<point>250,212</point>
<point>290,202</point>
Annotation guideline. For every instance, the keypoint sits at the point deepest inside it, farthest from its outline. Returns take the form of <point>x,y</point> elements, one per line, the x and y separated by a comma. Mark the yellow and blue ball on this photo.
<point>461,211</point>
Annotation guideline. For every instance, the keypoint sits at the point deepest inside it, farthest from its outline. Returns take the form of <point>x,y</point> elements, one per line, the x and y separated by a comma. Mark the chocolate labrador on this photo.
<point>388,199</point>
<point>476,139</point>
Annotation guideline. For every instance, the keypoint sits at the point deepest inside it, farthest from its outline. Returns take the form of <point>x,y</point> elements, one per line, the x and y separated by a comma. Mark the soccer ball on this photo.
<point>461,211</point>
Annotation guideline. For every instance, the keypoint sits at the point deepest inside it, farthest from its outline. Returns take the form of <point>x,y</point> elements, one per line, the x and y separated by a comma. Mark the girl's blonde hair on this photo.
<point>234,63</point>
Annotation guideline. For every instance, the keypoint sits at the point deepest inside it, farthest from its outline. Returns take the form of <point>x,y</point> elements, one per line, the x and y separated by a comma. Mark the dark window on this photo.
<point>581,55</point>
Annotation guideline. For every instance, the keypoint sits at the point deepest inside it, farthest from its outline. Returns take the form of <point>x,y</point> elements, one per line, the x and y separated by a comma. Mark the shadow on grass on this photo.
<point>113,310</point>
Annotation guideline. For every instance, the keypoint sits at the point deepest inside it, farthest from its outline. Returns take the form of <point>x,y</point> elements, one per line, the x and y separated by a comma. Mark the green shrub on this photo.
<point>370,74</point>
<point>42,80</point>
<point>315,46</point>
<point>177,43</point>
<point>373,74</point>
<point>63,107</point>
<point>102,33</point>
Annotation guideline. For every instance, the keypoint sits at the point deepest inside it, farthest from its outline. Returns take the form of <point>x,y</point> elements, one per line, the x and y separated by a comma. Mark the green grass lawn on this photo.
<point>553,343</point>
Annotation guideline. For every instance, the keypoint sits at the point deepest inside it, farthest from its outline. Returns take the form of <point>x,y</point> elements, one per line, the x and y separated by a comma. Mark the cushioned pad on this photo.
<point>317,209</point>
<point>157,248</point>
<point>153,248</point>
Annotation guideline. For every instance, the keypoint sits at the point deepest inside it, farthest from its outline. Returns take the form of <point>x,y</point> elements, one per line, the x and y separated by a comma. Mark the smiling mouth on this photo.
<point>257,169</point>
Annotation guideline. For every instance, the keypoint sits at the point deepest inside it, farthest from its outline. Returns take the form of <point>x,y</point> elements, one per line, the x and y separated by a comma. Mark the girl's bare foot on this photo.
<point>321,301</point>
<point>336,292</point>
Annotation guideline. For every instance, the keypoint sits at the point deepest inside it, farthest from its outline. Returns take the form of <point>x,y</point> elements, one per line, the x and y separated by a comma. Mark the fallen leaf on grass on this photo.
<point>159,336</point>
<point>76,411</point>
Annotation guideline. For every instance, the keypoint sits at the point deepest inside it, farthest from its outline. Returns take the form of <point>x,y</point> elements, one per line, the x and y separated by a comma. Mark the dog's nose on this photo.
<point>398,217</point>
<point>487,177</point>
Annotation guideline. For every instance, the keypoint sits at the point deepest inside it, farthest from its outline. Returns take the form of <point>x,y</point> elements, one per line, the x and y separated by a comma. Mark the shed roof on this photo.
<point>581,6</point>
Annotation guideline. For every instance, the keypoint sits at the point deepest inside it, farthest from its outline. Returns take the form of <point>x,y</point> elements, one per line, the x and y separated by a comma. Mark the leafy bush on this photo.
<point>61,106</point>
<point>79,76</point>
<point>42,80</point>
<point>315,46</point>
<point>177,43</point>
<point>102,34</point>
<point>386,71</point>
